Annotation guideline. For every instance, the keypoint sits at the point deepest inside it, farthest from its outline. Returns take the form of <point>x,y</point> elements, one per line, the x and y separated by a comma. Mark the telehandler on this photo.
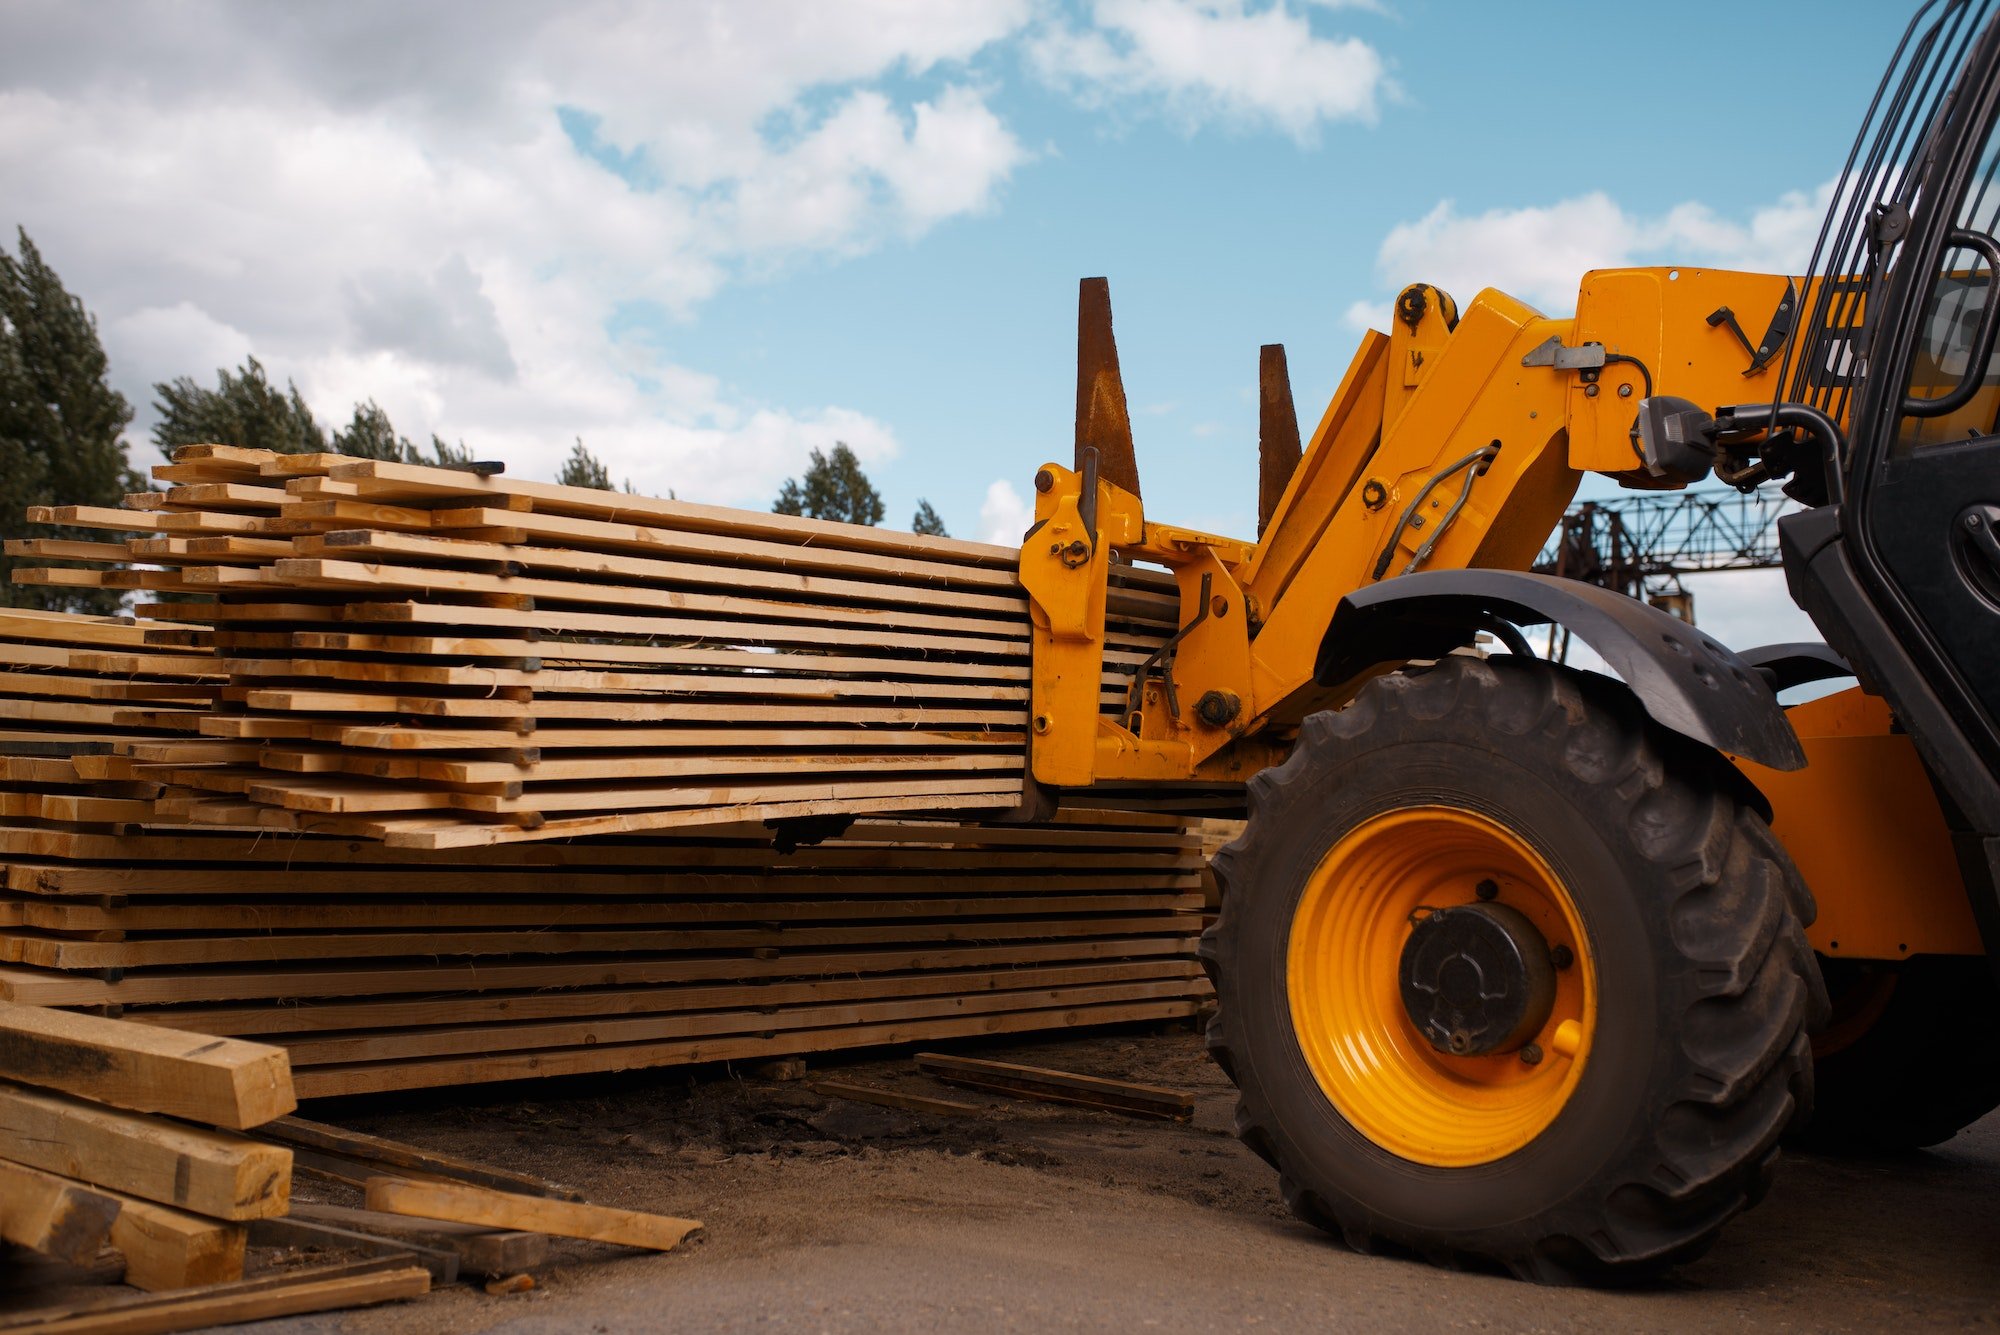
<point>1534,966</point>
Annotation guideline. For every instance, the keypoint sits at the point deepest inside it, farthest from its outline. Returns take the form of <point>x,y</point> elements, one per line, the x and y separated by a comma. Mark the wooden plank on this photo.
<point>21,946</point>
<point>390,1154</point>
<point>378,1015</point>
<point>1060,1086</point>
<point>893,1098</point>
<point>392,978</point>
<point>255,1300</point>
<point>221,1082</point>
<point>207,1172</point>
<point>415,481</point>
<point>167,1248</point>
<point>305,1234</point>
<point>480,1250</point>
<point>474,1040</point>
<point>367,1078</point>
<point>933,902</point>
<point>498,1209</point>
<point>53,1215</point>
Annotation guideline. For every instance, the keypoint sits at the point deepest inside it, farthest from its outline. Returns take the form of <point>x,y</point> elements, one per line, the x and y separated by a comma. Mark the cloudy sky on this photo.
<point>709,236</point>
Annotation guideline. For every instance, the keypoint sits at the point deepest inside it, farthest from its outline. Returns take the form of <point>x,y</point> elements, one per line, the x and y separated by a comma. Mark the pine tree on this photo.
<point>584,469</point>
<point>834,488</point>
<point>927,521</point>
<point>244,408</point>
<point>60,422</point>
<point>370,436</point>
<point>446,455</point>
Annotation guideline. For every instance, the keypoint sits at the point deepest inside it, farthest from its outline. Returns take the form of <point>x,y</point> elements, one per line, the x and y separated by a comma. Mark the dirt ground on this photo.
<point>824,1215</point>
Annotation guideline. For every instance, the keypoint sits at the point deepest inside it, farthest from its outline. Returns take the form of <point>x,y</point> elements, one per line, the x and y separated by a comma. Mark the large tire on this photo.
<point>1911,1056</point>
<point>1691,914</point>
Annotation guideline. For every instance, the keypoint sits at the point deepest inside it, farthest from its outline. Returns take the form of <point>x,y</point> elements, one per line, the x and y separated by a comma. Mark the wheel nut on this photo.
<point>1532,1054</point>
<point>1487,889</point>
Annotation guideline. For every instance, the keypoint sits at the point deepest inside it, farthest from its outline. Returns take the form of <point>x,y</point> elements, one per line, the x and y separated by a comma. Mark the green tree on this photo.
<point>834,488</point>
<point>370,436</point>
<point>927,521</point>
<point>584,469</point>
<point>447,455</point>
<point>244,408</point>
<point>61,424</point>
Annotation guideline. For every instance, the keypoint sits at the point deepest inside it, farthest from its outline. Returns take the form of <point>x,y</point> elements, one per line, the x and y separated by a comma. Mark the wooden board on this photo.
<point>466,1204</point>
<point>321,1290</point>
<point>481,1250</point>
<point>223,1082</point>
<point>1038,1082</point>
<point>206,1172</point>
<point>53,1215</point>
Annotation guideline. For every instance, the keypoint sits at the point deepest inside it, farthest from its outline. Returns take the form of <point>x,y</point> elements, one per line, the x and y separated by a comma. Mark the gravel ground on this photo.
<point>824,1215</point>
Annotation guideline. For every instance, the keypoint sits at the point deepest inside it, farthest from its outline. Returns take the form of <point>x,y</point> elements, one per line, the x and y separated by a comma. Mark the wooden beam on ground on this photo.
<point>54,1215</point>
<point>381,1154</point>
<point>892,1098</point>
<point>499,1209</point>
<point>220,1081</point>
<point>320,1290</point>
<point>301,1233</point>
<point>208,1172</point>
<point>480,1250</point>
<point>1083,1091</point>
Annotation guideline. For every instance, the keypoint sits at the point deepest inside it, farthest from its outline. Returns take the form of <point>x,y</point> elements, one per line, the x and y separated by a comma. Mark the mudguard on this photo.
<point>1796,664</point>
<point>1684,679</point>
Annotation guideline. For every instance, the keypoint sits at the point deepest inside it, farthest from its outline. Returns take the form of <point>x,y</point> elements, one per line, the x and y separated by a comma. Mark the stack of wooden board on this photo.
<point>382,969</point>
<point>439,658</point>
<point>73,684</point>
<point>173,1153</point>
<point>106,1139</point>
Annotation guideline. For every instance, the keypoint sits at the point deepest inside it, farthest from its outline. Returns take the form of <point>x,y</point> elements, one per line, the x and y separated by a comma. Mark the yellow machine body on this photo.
<point>1863,824</point>
<point>1457,440</point>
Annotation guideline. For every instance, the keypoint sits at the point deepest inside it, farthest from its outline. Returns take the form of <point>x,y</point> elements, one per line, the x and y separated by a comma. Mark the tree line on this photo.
<point>62,429</point>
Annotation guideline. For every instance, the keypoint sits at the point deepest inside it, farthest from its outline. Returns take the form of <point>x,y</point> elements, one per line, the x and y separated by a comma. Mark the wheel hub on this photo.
<point>1477,979</point>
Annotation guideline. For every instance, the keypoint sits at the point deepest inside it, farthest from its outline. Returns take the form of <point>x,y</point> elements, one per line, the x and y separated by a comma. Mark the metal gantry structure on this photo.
<point>1642,545</point>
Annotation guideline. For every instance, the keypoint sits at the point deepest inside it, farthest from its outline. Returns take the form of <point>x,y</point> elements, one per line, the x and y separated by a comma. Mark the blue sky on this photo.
<point>1218,237</point>
<point>708,237</point>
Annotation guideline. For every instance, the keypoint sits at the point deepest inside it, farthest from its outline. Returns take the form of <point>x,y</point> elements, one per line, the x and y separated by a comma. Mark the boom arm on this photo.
<point>1452,442</point>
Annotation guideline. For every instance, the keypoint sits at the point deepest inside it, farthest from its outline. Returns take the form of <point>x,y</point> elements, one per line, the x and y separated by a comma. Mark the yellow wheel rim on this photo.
<point>1342,978</point>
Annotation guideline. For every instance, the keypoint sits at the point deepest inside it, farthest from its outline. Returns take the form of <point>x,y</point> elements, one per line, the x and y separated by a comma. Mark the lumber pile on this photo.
<point>174,1154</point>
<point>107,1139</point>
<point>443,658</point>
<point>382,968</point>
<point>379,969</point>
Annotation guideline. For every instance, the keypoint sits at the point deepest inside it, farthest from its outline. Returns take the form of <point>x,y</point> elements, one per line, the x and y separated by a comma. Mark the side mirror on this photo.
<point>1672,438</point>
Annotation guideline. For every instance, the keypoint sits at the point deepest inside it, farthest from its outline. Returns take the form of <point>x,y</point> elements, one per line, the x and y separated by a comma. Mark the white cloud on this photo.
<point>1540,253</point>
<point>1216,59</point>
<point>381,200</point>
<point>1004,515</point>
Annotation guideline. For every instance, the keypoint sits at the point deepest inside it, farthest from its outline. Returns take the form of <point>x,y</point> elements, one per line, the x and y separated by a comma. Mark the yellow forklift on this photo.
<point>1536,966</point>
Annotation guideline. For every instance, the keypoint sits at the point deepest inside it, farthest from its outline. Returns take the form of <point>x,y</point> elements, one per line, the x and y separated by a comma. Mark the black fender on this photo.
<point>1684,679</point>
<point>1787,665</point>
